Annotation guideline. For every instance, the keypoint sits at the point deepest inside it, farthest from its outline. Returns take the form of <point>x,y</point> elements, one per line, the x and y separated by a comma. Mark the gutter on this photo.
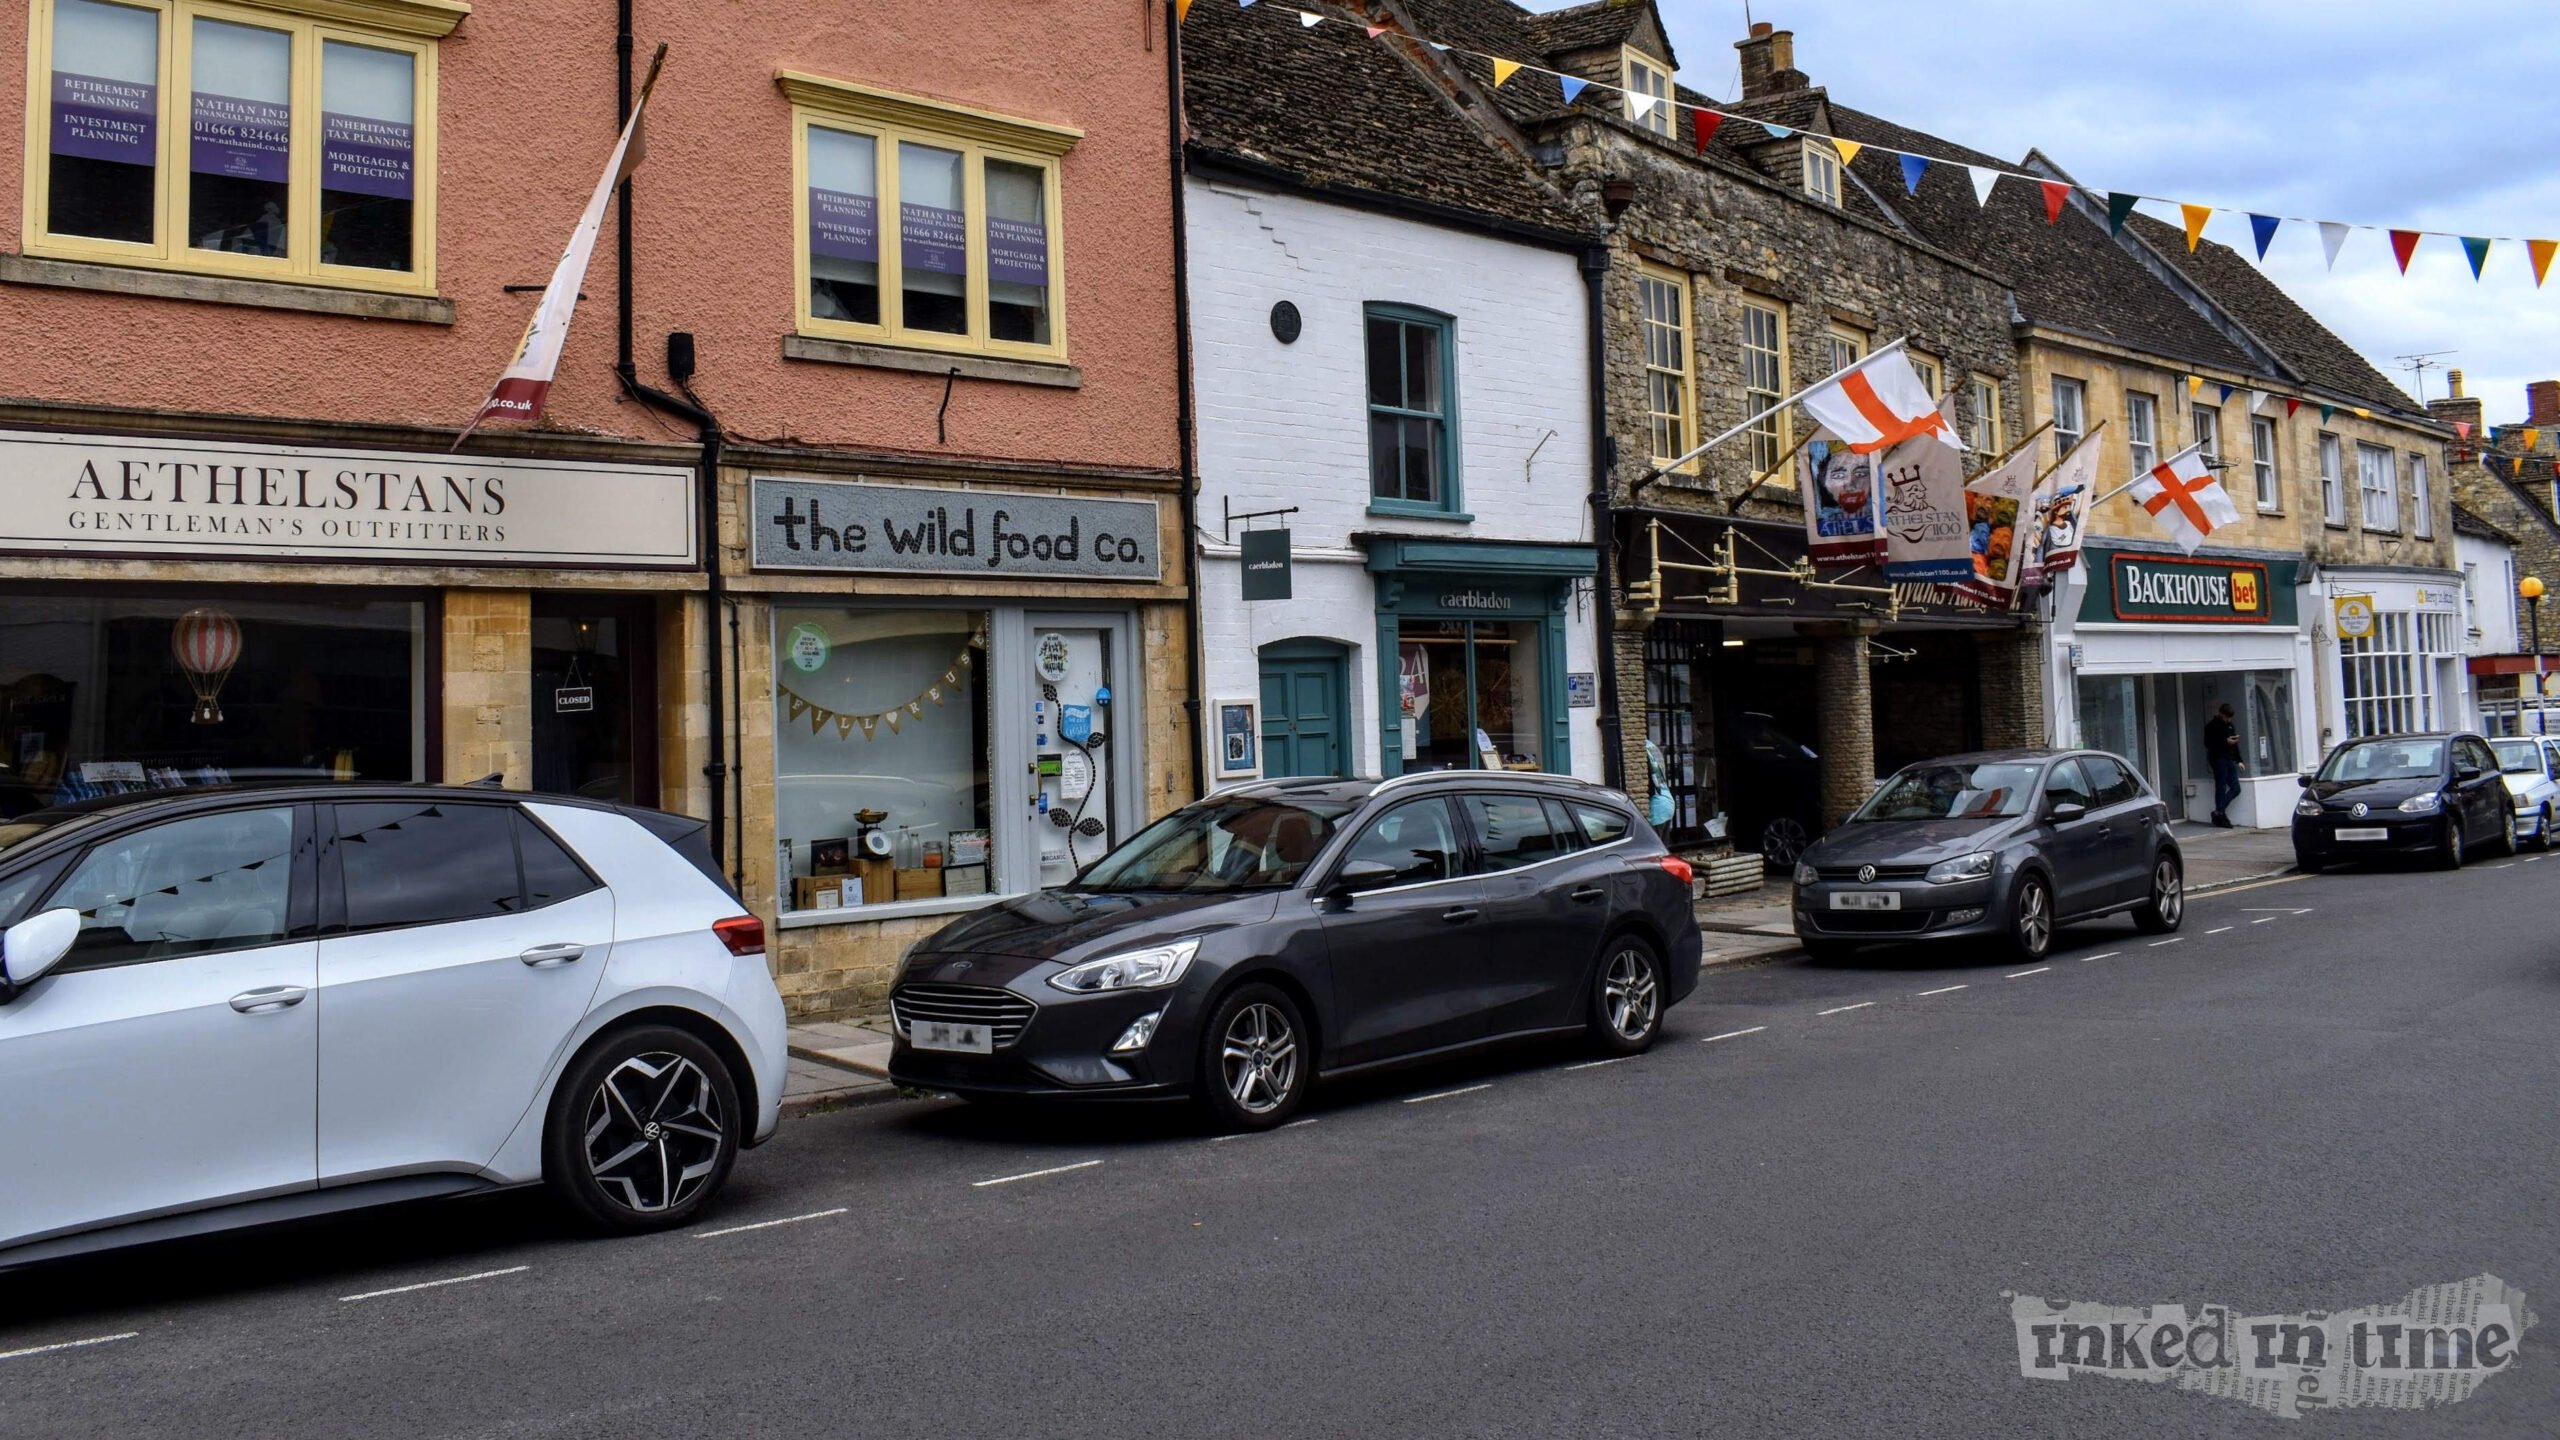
<point>1193,704</point>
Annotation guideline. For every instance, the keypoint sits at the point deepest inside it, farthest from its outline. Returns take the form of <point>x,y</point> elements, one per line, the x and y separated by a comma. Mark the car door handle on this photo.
<point>544,956</point>
<point>1589,893</point>
<point>267,999</point>
<point>1457,914</point>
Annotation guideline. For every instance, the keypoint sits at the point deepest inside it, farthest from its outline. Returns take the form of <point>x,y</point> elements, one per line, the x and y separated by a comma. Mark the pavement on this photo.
<point>1804,1211</point>
<point>837,1063</point>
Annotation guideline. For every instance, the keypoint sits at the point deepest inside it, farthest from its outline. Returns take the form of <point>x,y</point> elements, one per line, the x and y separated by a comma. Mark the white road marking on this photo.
<point>1249,1134</point>
<point>2023,974</point>
<point>1733,1034</point>
<point>1845,1009</point>
<point>1445,1094</point>
<point>768,1224</point>
<point>2508,865</point>
<point>1949,990</point>
<point>435,1284</point>
<point>2107,955</point>
<point>2266,920</point>
<point>2172,940</point>
<point>66,1345</point>
<point>2529,859</point>
<point>2218,929</point>
<point>1596,1064</point>
<point>1033,1174</point>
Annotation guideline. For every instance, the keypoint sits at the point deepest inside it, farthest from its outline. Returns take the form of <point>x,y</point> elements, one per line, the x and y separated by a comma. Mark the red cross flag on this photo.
<point>2184,497</point>
<point>1878,403</point>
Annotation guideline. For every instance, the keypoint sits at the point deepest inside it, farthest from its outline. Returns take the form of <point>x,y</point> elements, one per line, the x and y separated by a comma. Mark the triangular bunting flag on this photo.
<point>1244,4</point>
<point>1776,132</point>
<point>1640,106</point>
<point>2327,411</point>
<point>2478,251</point>
<point>2119,205</point>
<point>2226,394</point>
<point>2196,216</point>
<point>1572,87</point>
<point>2055,192</point>
<point>818,719</point>
<point>1376,30</point>
<point>892,718</point>
<point>1307,20</point>
<point>2291,405</point>
<point>1983,179</point>
<point>1504,70</point>
<point>1705,123</point>
<point>1912,166</point>
<point>2332,235</point>
<point>2257,398</point>
<point>1848,149</point>
<point>2532,436</point>
<point>2195,386</point>
<point>871,723</point>
<point>797,706</point>
<point>2404,243</point>
<point>844,727</point>
<point>2462,428</point>
<point>2263,227</point>
<point>2541,252</point>
<point>2361,413</point>
<point>1181,11</point>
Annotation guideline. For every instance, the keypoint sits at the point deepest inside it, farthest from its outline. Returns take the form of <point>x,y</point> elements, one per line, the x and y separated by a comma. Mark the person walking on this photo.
<point>2222,749</point>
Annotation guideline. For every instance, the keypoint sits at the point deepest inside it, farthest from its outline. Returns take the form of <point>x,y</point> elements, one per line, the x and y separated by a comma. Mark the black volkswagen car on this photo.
<point>1285,931</point>
<point>2434,795</point>
<point>2000,847</point>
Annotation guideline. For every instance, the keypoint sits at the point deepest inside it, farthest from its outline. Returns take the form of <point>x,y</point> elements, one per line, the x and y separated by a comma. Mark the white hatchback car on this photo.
<point>225,1007</point>
<point>2530,766</point>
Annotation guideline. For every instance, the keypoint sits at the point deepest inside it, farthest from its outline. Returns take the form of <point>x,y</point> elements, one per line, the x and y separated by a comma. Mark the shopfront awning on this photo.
<point>1692,539</point>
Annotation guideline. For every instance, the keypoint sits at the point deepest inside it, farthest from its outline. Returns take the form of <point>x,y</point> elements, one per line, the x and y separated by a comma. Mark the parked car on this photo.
<point>226,1006</point>
<point>2002,846</point>
<point>1774,785</point>
<point>2436,795</point>
<point>2530,766</point>
<point>1282,932</point>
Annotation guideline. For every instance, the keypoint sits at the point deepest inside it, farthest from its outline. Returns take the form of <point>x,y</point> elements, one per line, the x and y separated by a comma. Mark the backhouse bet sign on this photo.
<point>2164,588</point>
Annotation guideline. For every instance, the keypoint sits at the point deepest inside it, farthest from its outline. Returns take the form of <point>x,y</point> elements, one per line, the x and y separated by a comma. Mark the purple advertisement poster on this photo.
<point>845,226</point>
<point>1017,251</point>
<point>241,139</point>
<point>932,238</point>
<point>106,119</point>
<point>367,156</point>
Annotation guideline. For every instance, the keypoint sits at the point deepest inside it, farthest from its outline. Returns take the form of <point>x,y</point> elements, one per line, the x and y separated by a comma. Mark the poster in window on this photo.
<point>241,139</point>
<point>101,119</point>
<point>1017,251</point>
<point>933,239</point>
<point>1239,739</point>
<point>367,156</point>
<point>843,225</point>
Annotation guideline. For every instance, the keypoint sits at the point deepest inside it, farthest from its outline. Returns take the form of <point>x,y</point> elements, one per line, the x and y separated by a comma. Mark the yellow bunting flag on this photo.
<point>2541,257</point>
<point>2195,383</point>
<point>1848,149</point>
<point>2532,436</point>
<point>2196,216</point>
<point>1504,70</point>
<point>1181,11</point>
<point>2360,412</point>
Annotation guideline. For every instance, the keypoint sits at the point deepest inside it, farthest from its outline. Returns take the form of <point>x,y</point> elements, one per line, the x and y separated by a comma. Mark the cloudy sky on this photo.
<point>2384,114</point>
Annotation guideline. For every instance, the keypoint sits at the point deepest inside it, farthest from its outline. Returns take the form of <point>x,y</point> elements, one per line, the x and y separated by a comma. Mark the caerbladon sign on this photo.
<point>937,530</point>
<point>157,498</point>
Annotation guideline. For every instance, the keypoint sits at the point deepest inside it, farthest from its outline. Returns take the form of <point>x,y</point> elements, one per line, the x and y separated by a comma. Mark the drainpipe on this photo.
<point>1613,766</point>
<point>1192,703</point>
<point>622,212</point>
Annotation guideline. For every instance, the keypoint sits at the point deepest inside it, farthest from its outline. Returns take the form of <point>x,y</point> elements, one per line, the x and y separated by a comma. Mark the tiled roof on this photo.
<point>2261,306</point>
<point>2467,523</point>
<point>1585,27</point>
<point>1331,107</point>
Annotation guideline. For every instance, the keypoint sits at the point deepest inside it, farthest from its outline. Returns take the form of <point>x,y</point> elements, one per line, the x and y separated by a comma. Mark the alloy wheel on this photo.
<point>1630,995</point>
<point>1260,1058</point>
<point>2168,892</point>
<point>2035,920</point>
<point>654,1132</point>
<point>1782,843</point>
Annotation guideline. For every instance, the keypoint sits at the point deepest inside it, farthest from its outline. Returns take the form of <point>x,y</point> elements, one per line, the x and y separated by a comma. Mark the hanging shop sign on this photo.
<point>2134,588</point>
<point>2354,616</point>
<point>842,525</point>
<point>166,499</point>
<point>1266,565</point>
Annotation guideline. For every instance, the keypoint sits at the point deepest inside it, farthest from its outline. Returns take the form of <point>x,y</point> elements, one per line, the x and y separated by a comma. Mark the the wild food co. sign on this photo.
<point>933,530</point>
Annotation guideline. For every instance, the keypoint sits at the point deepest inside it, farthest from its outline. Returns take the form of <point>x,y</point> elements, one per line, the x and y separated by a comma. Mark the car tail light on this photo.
<point>743,934</point>
<point>1678,868</point>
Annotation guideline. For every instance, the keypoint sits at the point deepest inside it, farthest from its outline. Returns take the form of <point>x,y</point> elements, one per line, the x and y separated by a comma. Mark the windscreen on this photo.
<point>1237,843</point>
<point>2518,757</point>
<point>2385,760</point>
<point>1985,790</point>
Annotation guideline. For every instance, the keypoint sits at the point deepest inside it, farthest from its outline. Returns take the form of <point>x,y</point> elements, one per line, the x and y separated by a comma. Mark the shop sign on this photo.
<point>1266,565</point>
<point>842,525</point>
<point>166,499</point>
<point>2355,616</point>
<point>1476,600</point>
<point>2168,589</point>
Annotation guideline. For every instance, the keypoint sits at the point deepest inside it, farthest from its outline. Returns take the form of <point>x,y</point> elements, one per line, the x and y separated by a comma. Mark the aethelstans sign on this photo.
<point>845,525</point>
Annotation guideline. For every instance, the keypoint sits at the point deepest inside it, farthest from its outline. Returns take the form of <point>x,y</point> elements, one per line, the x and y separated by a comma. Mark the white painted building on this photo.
<point>1414,394</point>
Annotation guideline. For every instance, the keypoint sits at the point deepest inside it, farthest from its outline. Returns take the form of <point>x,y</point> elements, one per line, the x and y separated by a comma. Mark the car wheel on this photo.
<point>2449,854</point>
<point>643,1130</point>
<point>2031,920</point>
<point>2542,829</point>
<point>1253,1059</point>
<point>2507,832</point>
<point>2168,904</point>
<point>1626,999</point>
<point>1782,843</point>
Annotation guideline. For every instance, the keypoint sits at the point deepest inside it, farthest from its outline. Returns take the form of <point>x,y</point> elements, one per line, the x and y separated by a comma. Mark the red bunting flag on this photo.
<point>1705,122</point>
<point>2462,428</point>
<point>2291,405</point>
<point>2404,243</point>
<point>2055,192</point>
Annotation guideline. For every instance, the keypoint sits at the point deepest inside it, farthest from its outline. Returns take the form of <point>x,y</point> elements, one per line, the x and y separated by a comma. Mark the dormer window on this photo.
<point>1821,172</point>
<point>1648,87</point>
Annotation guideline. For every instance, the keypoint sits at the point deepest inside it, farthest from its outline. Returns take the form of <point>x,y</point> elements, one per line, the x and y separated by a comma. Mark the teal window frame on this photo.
<point>1450,503</point>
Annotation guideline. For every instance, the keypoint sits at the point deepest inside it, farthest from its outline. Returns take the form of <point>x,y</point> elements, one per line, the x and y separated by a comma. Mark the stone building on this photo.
<point>2509,476</point>
<point>870,553</point>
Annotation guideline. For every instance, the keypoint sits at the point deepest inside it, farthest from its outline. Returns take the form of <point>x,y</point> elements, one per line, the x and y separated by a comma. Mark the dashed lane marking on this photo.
<point>2218,929</point>
<point>1445,1094</point>
<point>1249,1134</point>
<point>2172,940</point>
<point>1033,1174</point>
<point>1733,1034</point>
<point>1596,1064</point>
<point>2023,974</point>
<point>1945,990</point>
<point>2266,920</point>
<point>66,1345</point>
<point>1845,1009</point>
<point>435,1284</point>
<point>769,1224</point>
<point>2102,955</point>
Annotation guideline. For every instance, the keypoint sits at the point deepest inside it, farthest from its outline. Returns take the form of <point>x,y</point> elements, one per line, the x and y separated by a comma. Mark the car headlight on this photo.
<point>2307,807</point>
<point>1963,867</point>
<point>1150,969</point>
<point>1806,874</point>
<point>2421,804</point>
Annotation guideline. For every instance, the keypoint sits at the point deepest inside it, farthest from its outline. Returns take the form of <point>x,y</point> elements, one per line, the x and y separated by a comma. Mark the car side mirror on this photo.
<point>1358,875</point>
<point>35,945</point>
<point>2062,810</point>
<point>2305,780</point>
<point>2465,774</point>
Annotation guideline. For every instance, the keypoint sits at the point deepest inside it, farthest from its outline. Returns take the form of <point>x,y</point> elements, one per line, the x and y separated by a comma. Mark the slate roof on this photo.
<point>2261,306</point>
<point>1584,27</point>
<point>1331,108</point>
<point>2465,522</point>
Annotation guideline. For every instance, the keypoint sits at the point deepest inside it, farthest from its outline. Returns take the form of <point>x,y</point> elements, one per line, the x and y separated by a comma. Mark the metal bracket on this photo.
<point>1729,569</point>
<point>1230,516</point>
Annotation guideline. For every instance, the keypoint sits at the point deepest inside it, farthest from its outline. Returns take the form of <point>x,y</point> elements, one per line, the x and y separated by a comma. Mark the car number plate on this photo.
<point>943,1035</point>
<point>2375,832</point>
<point>1866,900</point>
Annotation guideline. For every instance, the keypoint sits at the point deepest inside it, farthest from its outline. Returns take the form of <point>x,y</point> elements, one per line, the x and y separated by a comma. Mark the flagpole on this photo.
<point>2138,479</point>
<point>2065,457</point>
<point>1735,507</point>
<point>2012,452</point>
<point>1871,358</point>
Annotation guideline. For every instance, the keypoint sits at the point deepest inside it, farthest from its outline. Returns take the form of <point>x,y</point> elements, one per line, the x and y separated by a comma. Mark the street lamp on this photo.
<point>2530,587</point>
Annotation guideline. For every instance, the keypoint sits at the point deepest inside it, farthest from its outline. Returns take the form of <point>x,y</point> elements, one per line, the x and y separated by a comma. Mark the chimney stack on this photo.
<point>1769,62</point>
<point>2455,377</point>
<point>2542,403</point>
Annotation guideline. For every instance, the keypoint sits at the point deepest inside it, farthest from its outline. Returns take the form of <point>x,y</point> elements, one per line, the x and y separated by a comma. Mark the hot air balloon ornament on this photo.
<point>206,644</point>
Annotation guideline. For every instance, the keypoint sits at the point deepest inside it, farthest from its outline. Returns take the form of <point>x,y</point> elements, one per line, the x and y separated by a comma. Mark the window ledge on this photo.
<point>224,290</point>
<point>1418,512</point>
<point>887,910</point>
<point>932,362</point>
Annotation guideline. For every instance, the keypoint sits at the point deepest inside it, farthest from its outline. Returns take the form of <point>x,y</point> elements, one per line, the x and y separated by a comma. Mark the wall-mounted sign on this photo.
<point>2134,588</point>
<point>1581,690</point>
<point>846,525</point>
<point>1475,599</point>
<point>2354,616</point>
<point>163,499</point>
<point>1239,739</point>
<point>1266,565</point>
<point>808,647</point>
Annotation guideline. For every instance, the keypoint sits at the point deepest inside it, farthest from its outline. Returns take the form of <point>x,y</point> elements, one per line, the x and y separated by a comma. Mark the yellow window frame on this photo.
<point>1987,422</point>
<point>1644,75</point>
<point>1784,433</point>
<point>890,119</point>
<point>408,26</point>
<point>1686,375</point>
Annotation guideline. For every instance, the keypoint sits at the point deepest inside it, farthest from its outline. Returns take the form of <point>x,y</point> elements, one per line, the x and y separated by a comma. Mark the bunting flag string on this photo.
<point>1706,120</point>
<point>796,705</point>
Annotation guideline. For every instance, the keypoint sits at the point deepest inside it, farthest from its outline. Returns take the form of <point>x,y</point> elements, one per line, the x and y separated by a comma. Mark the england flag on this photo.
<point>1878,403</point>
<point>2183,495</point>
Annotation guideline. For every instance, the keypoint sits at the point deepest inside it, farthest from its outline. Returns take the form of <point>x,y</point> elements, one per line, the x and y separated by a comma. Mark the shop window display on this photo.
<point>1473,697</point>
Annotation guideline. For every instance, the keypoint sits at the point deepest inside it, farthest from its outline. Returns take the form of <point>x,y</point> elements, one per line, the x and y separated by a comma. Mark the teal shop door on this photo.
<point>1303,728</point>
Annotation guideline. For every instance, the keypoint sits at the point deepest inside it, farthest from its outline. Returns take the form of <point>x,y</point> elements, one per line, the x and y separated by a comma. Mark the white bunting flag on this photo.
<point>2332,235</point>
<point>1983,179</point>
<point>1639,107</point>
<point>2186,498</point>
<point>1308,19</point>
<point>2257,399</point>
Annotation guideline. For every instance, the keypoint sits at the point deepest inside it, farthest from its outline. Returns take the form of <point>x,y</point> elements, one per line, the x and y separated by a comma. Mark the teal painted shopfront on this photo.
<point>1472,652</point>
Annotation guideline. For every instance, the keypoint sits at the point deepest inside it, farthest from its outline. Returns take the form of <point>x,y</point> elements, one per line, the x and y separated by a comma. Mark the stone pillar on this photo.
<point>1846,702</point>
<point>488,686</point>
<point>2010,667</point>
